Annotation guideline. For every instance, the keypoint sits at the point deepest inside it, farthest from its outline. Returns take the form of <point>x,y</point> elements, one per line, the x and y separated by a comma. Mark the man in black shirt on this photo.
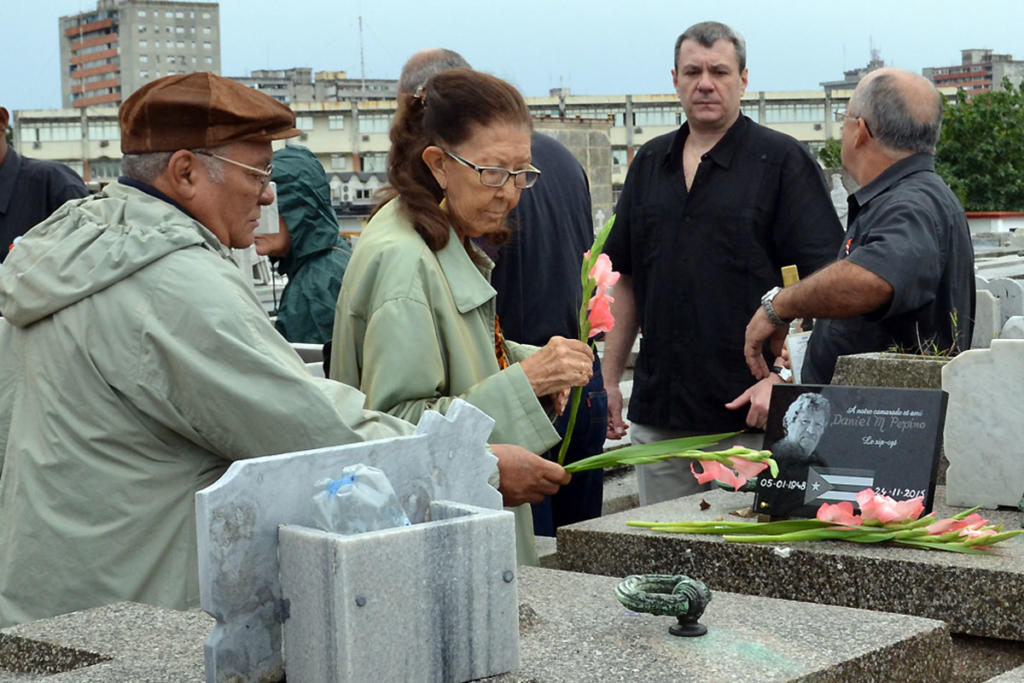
<point>30,189</point>
<point>905,274</point>
<point>707,217</point>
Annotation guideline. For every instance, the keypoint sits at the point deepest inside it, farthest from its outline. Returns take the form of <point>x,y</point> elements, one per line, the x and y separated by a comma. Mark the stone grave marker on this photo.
<point>1011,297</point>
<point>831,442</point>
<point>987,320</point>
<point>985,425</point>
<point>1013,329</point>
<point>443,608</point>
<point>237,522</point>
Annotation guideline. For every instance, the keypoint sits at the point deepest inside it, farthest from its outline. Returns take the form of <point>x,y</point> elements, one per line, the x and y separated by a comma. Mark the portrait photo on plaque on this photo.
<point>831,442</point>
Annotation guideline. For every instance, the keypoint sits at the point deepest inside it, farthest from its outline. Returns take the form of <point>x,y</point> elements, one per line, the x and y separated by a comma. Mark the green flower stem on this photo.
<point>577,393</point>
<point>588,291</point>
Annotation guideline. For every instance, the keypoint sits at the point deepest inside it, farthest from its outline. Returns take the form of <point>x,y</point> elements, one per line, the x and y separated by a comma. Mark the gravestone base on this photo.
<point>571,628</point>
<point>430,601</point>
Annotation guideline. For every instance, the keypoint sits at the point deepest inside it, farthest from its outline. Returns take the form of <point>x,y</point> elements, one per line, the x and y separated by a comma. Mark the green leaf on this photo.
<point>647,452</point>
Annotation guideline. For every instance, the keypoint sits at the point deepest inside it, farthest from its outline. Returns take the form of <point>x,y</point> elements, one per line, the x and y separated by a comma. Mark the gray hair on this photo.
<point>805,403</point>
<point>416,72</point>
<point>147,167</point>
<point>706,33</point>
<point>883,104</point>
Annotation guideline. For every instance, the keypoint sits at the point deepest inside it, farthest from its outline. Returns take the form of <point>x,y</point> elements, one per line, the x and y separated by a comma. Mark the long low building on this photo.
<point>351,137</point>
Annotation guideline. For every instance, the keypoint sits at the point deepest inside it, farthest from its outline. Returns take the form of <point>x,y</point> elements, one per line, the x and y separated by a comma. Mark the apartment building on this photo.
<point>109,52</point>
<point>978,71</point>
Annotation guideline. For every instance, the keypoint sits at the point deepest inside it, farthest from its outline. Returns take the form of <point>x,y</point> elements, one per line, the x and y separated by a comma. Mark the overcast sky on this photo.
<point>591,46</point>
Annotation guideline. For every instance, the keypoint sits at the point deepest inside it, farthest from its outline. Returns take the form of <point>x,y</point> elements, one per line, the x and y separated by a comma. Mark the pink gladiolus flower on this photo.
<point>885,509</point>
<point>975,533</point>
<point>714,470</point>
<point>600,315</point>
<point>747,469</point>
<point>602,273</point>
<point>972,522</point>
<point>840,513</point>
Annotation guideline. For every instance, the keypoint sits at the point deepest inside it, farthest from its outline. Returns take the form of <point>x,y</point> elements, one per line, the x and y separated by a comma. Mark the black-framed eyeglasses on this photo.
<point>495,176</point>
<point>261,174</point>
<point>841,114</point>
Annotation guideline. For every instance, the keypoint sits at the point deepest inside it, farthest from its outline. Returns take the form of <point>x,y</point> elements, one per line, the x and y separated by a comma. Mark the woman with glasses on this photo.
<point>415,324</point>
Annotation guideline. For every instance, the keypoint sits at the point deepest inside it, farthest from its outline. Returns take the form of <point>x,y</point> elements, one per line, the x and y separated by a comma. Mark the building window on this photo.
<point>179,29</point>
<point>619,157</point>
<point>193,60</point>
<point>206,15</point>
<point>302,121</point>
<point>181,43</point>
<point>143,43</point>
<point>50,131</point>
<point>208,60</point>
<point>374,162</point>
<point>143,75</point>
<point>340,162</point>
<point>656,116</point>
<point>793,112</point>
<point>336,122</point>
<point>104,130</point>
<point>207,29</point>
<point>142,28</point>
<point>374,123</point>
<point>362,193</point>
<point>169,15</point>
<point>143,58</point>
<point>179,15</point>
<point>142,12</point>
<point>207,45</point>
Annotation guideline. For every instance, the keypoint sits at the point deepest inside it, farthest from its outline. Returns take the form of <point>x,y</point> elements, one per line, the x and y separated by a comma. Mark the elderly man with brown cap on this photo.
<point>139,364</point>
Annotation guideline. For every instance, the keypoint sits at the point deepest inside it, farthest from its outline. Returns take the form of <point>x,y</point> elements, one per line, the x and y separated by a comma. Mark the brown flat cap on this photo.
<point>200,110</point>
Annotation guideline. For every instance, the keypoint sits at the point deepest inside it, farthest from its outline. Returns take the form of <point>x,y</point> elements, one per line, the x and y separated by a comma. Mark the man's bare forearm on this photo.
<point>619,340</point>
<point>840,290</point>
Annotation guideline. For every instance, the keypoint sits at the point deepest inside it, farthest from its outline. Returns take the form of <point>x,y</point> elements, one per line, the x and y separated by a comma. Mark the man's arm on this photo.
<point>841,290</point>
<point>617,344</point>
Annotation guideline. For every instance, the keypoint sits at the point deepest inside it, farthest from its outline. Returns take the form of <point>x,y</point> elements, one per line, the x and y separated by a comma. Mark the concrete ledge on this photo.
<point>976,594</point>
<point>571,628</point>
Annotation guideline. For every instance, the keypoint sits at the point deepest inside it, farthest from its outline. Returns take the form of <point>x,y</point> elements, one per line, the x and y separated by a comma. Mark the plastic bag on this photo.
<point>361,499</point>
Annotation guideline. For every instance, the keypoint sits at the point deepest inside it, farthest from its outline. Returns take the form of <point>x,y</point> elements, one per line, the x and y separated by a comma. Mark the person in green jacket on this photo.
<point>307,248</point>
<point>415,326</point>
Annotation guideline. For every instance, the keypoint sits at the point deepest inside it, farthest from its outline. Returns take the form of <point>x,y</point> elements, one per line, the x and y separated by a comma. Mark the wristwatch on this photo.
<point>785,374</point>
<point>769,309</point>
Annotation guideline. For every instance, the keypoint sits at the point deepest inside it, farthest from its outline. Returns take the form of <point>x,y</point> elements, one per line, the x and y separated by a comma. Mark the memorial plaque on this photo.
<point>831,442</point>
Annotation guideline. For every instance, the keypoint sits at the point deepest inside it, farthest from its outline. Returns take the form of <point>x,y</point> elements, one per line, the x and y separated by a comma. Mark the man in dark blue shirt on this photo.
<point>30,189</point>
<point>707,218</point>
<point>537,277</point>
<point>905,274</point>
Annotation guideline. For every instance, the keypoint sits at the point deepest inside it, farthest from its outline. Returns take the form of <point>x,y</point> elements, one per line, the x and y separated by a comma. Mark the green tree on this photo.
<point>831,153</point>
<point>980,153</point>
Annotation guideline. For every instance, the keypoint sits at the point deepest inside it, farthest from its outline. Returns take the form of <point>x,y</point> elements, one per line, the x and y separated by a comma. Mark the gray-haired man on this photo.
<point>905,274</point>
